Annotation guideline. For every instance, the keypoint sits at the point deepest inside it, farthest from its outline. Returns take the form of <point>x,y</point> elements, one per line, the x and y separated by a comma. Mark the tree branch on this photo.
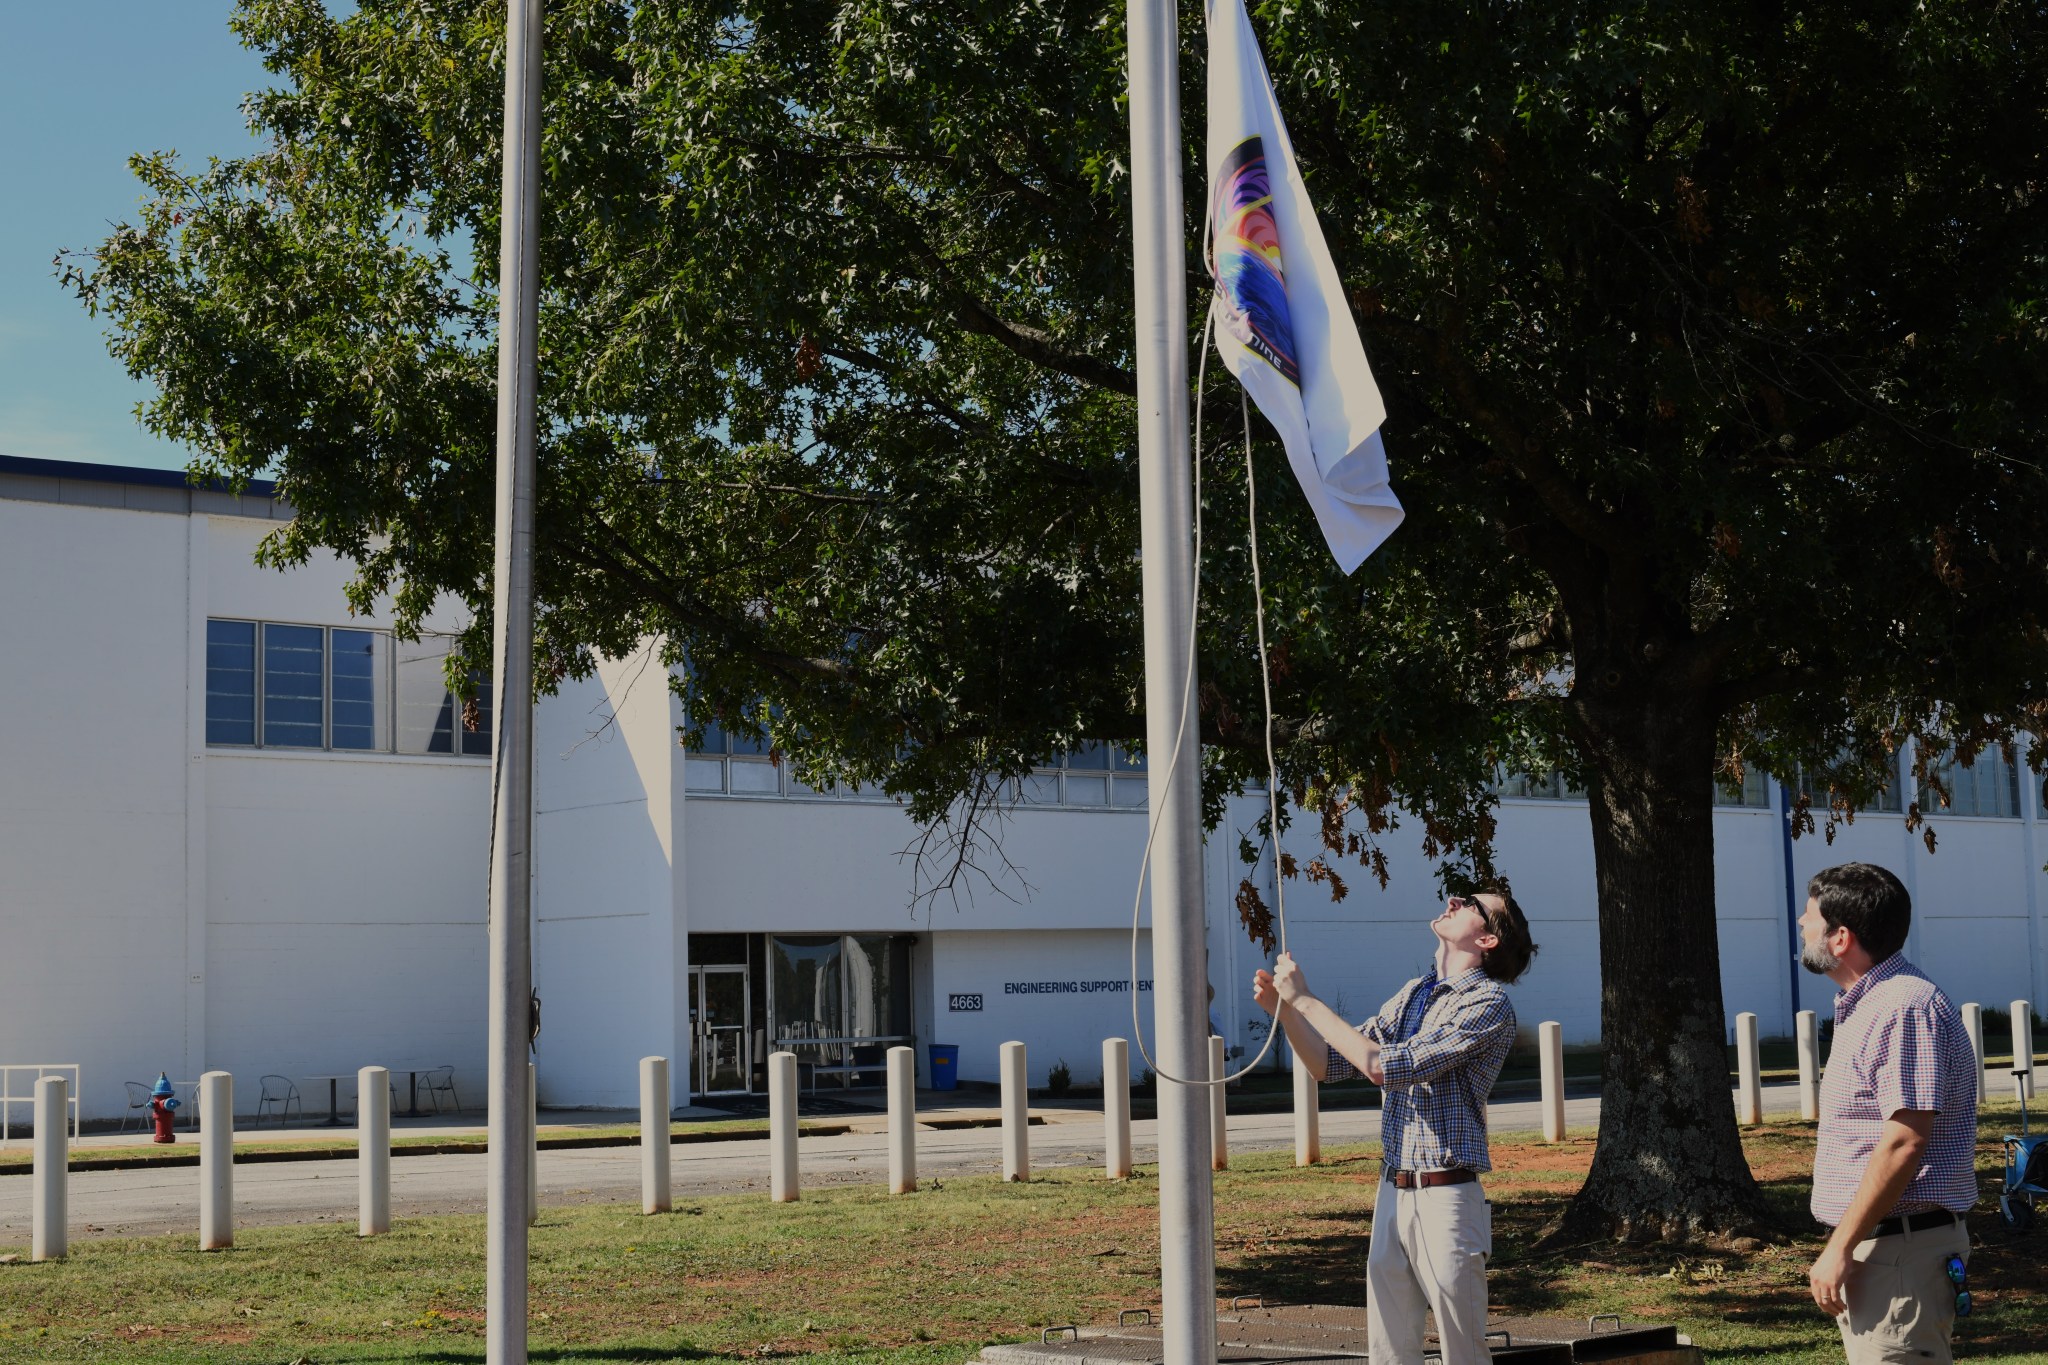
<point>1767,682</point>
<point>1031,343</point>
<point>1525,455</point>
<point>626,565</point>
<point>857,499</point>
<point>955,843</point>
<point>1548,635</point>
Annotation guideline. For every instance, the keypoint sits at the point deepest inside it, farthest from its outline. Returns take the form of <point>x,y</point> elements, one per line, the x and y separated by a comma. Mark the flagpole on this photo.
<point>511,932</point>
<point>1187,1243</point>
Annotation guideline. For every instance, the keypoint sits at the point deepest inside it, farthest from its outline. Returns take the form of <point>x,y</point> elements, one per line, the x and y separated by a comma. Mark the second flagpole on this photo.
<point>511,935</point>
<point>1187,1242</point>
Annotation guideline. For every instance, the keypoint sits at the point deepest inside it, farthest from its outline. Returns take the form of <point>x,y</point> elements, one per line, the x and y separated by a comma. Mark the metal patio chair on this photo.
<point>439,1081</point>
<point>138,1106</point>
<point>280,1091</point>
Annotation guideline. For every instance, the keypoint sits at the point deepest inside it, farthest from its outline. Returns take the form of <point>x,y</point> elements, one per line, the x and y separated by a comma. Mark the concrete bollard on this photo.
<point>49,1202</point>
<point>1116,1108</point>
<point>1747,1077</point>
<point>1749,1094</point>
<point>2023,1042</point>
<point>1806,1027</point>
<point>216,1161</point>
<point>1308,1116</point>
<point>782,1174</point>
<point>532,1145</point>
<point>654,1184</point>
<point>1219,1119</point>
<point>1550,1067</point>
<point>902,1120</point>
<point>1973,1024</point>
<point>373,1151</point>
<point>1016,1114</point>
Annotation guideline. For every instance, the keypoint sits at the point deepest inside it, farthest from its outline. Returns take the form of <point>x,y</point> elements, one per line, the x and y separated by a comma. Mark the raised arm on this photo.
<point>1316,1022</point>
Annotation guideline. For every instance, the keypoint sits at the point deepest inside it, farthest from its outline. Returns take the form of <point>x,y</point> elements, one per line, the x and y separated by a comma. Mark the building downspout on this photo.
<point>2029,783</point>
<point>1794,906</point>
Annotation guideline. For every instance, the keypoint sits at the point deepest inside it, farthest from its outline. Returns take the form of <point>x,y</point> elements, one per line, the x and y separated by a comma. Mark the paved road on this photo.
<point>149,1202</point>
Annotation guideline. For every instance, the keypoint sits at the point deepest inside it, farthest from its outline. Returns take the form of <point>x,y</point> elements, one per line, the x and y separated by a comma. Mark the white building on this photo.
<point>241,829</point>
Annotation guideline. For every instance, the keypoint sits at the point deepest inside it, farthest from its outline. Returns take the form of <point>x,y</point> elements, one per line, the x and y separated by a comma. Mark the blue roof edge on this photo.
<point>122,473</point>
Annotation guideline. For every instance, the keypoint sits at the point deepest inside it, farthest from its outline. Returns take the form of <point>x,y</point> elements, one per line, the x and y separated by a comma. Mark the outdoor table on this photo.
<point>413,1071</point>
<point>333,1109</point>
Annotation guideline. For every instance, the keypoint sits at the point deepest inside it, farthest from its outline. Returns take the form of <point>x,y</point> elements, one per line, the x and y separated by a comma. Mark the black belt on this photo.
<point>1423,1180</point>
<point>1915,1222</point>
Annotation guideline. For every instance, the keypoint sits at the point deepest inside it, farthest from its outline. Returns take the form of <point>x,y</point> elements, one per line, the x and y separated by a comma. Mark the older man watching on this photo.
<point>1894,1169</point>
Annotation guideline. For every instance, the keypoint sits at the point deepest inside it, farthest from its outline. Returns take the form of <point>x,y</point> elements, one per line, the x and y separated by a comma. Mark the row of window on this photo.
<point>276,685</point>
<point>1988,788</point>
<point>271,685</point>
<point>1754,793</point>
<point>737,765</point>
<point>1093,774</point>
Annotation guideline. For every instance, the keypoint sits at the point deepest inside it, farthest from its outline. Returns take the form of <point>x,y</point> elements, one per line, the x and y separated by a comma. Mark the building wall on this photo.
<point>93,817</point>
<point>166,906</point>
<point>1978,904</point>
<point>345,916</point>
<point>784,865</point>
<point>173,908</point>
<point>611,943</point>
<point>345,893</point>
<point>1058,993</point>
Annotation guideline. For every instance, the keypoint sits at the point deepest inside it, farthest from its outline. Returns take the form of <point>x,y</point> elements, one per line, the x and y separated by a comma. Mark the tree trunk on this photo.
<point>1669,1162</point>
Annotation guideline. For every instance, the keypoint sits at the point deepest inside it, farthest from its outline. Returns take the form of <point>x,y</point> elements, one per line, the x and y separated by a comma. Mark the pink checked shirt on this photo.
<point>1899,1044</point>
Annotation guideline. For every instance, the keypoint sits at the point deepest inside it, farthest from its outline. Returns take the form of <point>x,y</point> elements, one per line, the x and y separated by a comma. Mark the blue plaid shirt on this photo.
<point>1442,1045</point>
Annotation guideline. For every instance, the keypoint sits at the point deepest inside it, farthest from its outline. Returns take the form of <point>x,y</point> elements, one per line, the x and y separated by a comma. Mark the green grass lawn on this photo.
<point>853,1275</point>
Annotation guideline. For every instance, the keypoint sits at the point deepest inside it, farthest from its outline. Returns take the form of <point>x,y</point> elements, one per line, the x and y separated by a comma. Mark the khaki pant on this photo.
<point>1902,1304</point>
<point>1429,1251</point>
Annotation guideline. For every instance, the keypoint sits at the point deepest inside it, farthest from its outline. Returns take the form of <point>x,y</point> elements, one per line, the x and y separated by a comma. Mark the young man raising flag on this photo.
<point>1436,1049</point>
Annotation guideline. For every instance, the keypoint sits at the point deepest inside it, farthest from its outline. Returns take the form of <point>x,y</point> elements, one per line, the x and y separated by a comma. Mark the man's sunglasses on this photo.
<point>1467,903</point>
<point>1959,1276</point>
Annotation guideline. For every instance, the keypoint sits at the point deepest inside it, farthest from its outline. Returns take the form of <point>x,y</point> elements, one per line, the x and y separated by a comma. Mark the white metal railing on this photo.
<point>34,1071</point>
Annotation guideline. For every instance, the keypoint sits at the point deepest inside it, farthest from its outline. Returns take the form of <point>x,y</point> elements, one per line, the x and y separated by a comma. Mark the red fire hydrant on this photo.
<point>162,1102</point>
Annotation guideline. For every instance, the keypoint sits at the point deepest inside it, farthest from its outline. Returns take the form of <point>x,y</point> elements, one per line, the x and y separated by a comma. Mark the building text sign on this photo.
<point>1119,986</point>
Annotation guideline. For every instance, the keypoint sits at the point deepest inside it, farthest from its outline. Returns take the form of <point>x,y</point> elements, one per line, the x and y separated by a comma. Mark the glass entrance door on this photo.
<point>718,1017</point>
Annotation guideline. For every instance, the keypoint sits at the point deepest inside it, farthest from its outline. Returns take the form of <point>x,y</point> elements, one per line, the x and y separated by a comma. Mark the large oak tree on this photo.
<point>1712,337</point>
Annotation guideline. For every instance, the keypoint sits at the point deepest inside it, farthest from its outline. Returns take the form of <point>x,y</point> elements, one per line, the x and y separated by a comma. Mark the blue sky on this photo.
<point>83,86</point>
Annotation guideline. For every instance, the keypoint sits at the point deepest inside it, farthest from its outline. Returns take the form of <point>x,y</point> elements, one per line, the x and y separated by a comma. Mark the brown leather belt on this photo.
<point>1913,1222</point>
<point>1424,1180</point>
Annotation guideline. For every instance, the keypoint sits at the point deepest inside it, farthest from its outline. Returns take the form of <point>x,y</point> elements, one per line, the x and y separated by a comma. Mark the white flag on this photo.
<point>1282,325</point>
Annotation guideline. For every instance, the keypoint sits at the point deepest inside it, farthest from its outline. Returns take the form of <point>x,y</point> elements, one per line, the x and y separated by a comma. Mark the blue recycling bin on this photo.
<point>945,1066</point>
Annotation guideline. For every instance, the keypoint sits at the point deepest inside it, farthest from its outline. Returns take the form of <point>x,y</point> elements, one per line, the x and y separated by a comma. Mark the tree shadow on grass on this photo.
<point>1325,1263</point>
<point>1326,1269</point>
<point>1525,1276</point>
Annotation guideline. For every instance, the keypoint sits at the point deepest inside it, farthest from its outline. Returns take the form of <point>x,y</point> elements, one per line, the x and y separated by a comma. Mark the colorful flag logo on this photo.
<point>1282,326</point>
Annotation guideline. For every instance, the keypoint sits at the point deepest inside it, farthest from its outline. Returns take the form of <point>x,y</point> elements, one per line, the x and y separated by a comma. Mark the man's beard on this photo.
<point>1818,960</point>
